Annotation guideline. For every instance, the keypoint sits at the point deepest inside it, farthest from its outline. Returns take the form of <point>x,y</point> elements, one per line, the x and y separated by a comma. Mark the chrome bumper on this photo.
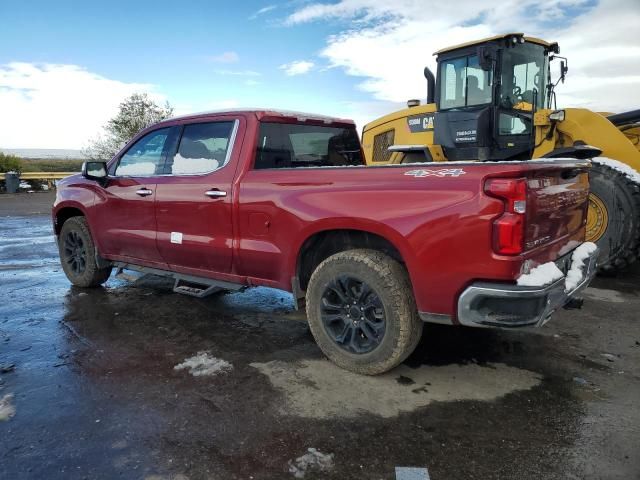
<point>486,304</point>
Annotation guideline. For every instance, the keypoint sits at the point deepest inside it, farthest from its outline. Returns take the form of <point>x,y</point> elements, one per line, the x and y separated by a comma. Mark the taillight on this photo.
<point>508,229</point>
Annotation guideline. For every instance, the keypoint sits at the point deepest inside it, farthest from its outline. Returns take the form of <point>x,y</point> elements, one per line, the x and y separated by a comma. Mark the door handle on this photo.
<point>213,193</point>
<point>144,192</point>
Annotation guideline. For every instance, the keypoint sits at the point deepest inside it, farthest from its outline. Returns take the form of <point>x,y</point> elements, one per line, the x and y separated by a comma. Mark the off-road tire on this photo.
<point>620,243</point>
<point>91,275</point>
<point>390,281</point>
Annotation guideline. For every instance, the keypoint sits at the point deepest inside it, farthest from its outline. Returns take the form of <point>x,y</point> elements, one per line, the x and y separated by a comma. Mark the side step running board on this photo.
<point>185,284</point>
<point>194,289</point>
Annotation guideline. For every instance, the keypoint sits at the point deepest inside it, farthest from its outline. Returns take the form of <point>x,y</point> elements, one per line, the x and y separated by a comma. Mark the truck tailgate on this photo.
<point>556,205</point>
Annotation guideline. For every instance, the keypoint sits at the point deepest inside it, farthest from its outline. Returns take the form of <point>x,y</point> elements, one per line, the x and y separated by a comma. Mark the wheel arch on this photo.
<point>321,244</point>
<point>64,213</point>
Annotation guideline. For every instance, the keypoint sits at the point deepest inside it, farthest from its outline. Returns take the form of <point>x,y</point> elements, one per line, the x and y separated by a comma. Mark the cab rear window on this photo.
<point>283,145</point>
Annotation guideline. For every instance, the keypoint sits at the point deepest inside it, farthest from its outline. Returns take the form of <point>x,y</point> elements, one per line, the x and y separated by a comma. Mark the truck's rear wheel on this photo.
<point>78,254</point>
<point>613,220</point>
<point>361,311</point>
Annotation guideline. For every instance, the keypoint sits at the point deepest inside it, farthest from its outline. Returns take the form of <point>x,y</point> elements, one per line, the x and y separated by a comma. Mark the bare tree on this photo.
<point>136,112</point>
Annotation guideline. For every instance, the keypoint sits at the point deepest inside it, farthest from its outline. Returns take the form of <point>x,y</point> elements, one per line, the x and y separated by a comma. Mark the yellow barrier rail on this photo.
<point>41,175</point>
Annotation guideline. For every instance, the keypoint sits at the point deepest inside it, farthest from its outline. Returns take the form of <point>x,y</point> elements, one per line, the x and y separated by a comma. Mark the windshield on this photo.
<point>463,83</point>
<point>522,78</point>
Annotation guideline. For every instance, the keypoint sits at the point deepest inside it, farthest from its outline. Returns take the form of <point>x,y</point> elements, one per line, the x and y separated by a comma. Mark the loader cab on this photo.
<point>486,95</point>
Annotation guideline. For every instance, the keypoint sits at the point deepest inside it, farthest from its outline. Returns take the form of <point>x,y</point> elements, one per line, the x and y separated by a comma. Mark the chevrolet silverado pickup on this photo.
<point>229,200</point>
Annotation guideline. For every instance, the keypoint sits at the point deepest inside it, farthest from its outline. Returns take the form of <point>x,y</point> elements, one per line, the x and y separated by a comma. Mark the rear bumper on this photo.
<point>487,304</point>
<point>495,305</point>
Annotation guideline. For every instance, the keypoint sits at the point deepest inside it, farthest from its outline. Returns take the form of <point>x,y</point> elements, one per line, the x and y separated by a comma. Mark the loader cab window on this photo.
<point>522,77</point>
<point>463,83</point>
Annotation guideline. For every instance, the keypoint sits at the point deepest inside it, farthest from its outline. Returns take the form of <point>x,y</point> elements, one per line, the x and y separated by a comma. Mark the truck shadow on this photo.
<point>443,345</point>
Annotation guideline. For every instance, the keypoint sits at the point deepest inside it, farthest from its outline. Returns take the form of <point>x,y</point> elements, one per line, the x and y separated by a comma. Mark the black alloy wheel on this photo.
<point>353,315</point>
<point>75,252</point>
<point>78,255</point>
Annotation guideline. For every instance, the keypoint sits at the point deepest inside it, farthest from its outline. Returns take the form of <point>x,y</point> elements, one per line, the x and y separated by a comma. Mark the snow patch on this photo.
<point>7,410</point>
<point>203,364</point>
<point>620,167</point>
<point>541,275</point>
<point>182,165</point>
<point>575,275</point>
<point>142,168</point>
<point>549,272</point>
<point>313,460</point>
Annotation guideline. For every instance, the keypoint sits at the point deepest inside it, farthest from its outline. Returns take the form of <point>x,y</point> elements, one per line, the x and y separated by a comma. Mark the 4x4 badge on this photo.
<point>441,172</point>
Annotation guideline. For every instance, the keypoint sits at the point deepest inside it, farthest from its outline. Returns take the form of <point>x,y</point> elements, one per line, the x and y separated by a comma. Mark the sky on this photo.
<point>65,66</point>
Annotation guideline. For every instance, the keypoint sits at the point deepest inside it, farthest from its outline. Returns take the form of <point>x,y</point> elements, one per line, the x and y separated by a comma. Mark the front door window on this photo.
<point>145,157</point>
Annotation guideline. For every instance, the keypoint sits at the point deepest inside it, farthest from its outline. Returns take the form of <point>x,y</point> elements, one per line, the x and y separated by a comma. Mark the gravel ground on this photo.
<point>89,386</point>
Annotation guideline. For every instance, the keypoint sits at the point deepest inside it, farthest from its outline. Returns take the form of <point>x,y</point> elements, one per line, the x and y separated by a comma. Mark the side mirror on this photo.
<point>564,68</point>
<point>95,171</point>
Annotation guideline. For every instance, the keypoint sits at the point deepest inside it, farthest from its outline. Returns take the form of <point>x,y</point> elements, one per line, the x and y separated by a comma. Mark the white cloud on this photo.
<point>226,57</point>
<point>299,67</point>
<point>387,44</point>
<point>57,106</point>
<point>239,73</point>
<point>262,11</point>
<point>362,10</point>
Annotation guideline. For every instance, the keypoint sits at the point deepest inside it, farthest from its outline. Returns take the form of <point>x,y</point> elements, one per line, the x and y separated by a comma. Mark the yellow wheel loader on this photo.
<point>494,100</point>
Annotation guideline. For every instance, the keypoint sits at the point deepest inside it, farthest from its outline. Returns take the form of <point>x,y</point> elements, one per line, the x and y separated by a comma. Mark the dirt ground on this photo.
<point>89,387</point>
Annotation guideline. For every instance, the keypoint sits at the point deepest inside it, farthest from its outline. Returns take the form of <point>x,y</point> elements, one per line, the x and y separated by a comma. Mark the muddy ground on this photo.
<point>88,387</point>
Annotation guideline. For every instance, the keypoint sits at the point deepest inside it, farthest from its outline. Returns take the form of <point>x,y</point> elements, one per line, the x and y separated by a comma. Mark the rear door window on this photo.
<point>284,145</point>
<point>203,148</point>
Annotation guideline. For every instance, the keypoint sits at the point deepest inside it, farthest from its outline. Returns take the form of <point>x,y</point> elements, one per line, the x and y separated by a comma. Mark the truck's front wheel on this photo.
<point>362,312</point>
<point>78,254</point>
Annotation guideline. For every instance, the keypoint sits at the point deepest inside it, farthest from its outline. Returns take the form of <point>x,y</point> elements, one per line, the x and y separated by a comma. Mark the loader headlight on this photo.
<point>557,116</point>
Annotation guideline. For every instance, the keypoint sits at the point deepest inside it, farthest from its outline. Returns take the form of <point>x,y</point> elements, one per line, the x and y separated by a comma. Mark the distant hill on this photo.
<point>44,153</point>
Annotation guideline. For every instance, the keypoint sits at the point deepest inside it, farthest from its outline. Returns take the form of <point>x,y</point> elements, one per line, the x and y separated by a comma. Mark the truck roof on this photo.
<point>267,112</point>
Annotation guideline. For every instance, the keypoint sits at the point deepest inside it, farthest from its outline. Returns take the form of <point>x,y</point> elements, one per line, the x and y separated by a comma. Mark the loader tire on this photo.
<point>78,254</point>
<point>361,311</point>
<point>613,220</point>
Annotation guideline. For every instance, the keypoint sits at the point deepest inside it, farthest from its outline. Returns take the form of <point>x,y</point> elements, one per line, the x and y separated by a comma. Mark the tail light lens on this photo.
<point>508,229</point>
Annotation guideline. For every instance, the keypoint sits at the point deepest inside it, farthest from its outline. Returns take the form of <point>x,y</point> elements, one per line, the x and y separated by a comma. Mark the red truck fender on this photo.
<point>378,232</point>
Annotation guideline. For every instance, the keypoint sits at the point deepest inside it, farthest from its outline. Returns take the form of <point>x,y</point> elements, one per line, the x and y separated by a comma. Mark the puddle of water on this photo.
<point>338,393</point>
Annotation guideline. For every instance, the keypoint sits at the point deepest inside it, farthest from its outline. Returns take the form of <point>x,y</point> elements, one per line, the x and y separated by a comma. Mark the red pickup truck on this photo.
<point>233,199</point>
